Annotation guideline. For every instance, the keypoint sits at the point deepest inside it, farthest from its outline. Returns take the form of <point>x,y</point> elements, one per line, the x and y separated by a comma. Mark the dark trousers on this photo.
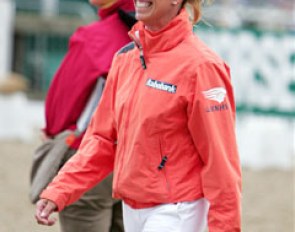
<point>95,211</point>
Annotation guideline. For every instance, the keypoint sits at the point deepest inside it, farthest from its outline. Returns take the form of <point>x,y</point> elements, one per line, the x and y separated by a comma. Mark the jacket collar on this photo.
<point>165,39</point>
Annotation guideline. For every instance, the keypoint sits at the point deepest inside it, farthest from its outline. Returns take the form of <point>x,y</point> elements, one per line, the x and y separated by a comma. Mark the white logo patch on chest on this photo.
<point>170,88</point>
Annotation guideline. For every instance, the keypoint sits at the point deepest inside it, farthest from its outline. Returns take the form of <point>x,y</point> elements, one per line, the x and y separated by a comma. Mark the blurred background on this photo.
<point>255,37</point>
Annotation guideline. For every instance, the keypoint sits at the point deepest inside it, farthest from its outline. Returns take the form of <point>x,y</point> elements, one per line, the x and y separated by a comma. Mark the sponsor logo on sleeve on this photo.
<point>164,86</point>
<point>218,95</point>
<point>215,94</point>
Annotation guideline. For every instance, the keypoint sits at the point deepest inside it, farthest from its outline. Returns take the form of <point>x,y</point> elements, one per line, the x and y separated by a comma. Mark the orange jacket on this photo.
<point>165,126</point>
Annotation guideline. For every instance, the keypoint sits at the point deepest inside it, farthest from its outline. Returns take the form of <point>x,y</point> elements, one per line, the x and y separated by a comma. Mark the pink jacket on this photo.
<point>90,54</point>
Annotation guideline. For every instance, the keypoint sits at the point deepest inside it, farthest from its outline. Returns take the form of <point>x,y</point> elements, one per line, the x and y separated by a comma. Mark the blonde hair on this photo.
<point>195,8</point>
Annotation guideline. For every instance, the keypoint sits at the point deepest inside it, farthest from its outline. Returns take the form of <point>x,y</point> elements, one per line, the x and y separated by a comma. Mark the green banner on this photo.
<point>262,67</point>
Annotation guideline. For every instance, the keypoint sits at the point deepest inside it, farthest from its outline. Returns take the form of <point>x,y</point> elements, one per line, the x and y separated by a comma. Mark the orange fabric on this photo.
<point>167,131</point>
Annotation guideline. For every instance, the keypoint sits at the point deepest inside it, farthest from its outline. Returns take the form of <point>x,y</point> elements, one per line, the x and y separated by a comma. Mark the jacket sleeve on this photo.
<point>211,121</point>
<point>94,159</point>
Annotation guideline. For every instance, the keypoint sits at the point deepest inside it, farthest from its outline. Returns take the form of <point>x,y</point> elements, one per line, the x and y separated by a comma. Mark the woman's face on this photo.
<point>156,14</point>
<point>102,3</point>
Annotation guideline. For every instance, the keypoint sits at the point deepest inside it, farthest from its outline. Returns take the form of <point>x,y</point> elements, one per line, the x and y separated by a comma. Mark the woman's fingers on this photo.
<point>44,209</point>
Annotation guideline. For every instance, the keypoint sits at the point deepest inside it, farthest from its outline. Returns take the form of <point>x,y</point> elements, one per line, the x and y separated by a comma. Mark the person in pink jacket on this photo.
<point>91,49</point>
<point>165,126</point>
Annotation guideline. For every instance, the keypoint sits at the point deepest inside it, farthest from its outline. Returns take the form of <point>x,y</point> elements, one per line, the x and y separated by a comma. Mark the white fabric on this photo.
<point>178,217</point>
<point>92,103</point>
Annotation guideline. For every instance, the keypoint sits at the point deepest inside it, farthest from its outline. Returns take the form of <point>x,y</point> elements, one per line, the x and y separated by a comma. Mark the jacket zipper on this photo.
<point>136,39</point>
<point>141,57</point>
<point>161,167</point>
<point>131,100</point>
<point>163,162</point>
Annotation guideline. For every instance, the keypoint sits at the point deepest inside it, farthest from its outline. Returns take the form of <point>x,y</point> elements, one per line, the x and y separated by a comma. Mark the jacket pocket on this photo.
<point>162,166</point>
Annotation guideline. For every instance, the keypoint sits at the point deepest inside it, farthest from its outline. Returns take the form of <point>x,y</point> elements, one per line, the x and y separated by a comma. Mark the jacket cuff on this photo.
<point>57,199</point>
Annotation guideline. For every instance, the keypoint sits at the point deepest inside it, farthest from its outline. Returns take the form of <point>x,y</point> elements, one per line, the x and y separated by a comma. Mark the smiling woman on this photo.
<point>176,164</point>
<point>156,13</point>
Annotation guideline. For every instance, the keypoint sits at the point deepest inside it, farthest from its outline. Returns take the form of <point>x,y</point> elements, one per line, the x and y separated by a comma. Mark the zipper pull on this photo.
<point>142,60</point>
<point>163,162</point>
<point>136,39</point>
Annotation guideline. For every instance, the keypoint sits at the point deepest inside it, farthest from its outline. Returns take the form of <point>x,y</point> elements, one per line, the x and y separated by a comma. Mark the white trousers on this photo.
<point>178,217</point>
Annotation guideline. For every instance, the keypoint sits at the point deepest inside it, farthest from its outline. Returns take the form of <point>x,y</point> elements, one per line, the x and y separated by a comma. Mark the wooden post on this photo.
<point>7,13</point>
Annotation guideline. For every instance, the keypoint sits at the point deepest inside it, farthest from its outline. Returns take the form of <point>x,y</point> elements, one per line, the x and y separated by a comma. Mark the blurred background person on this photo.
<point>91,50</point>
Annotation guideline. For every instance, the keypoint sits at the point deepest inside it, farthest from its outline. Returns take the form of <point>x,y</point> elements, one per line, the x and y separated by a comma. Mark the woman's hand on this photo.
<point>44,208</point>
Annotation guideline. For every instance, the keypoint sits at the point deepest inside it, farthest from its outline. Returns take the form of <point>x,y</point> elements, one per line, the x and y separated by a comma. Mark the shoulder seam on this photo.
<point>126,48</point>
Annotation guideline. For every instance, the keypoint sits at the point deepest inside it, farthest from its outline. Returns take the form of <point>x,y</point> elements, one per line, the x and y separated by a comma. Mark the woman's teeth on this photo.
<point>143,4</point>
